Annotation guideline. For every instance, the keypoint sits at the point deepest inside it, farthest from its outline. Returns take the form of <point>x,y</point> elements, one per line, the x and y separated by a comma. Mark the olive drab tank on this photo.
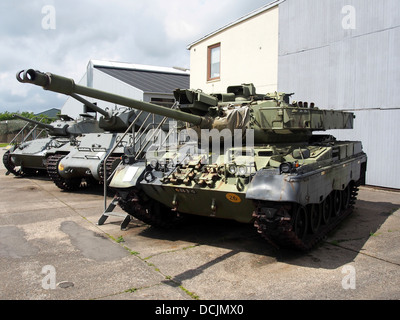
<point>30,156</point>
<point>250,157</point>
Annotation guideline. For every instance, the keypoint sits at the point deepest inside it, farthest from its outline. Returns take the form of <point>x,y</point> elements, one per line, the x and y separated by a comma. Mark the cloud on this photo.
<point>154,32</point>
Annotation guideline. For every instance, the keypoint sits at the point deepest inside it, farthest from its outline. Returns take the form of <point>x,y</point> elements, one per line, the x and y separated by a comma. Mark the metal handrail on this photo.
<point>16,136</point>
<point>108,155</point>
<point>135,141</point>
<point>24,138</point>
<point>29,133</point>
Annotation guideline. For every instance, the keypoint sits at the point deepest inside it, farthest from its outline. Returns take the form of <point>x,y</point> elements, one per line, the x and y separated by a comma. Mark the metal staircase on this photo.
<point>142,139</point>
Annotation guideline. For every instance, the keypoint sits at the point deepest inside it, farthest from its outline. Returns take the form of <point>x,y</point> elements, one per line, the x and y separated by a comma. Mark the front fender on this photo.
<point>127,176</point>
<point>267,185</point>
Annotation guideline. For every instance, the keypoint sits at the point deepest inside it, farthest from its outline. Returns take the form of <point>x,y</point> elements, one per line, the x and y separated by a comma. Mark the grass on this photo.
<point>167,277</point>
<point>191,294</point>
<point>120,239</point>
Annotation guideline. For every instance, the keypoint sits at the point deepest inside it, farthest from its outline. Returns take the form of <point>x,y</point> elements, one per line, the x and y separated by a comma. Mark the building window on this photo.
<point>214,62</point>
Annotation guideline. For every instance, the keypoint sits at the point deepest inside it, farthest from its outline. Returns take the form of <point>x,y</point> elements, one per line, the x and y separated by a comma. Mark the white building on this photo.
<point>243,51</point>
<point>141,82</point>
<point>340,54</point>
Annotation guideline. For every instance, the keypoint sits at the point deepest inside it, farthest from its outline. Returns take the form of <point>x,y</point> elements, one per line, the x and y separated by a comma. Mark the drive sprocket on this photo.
<point>61,182</point>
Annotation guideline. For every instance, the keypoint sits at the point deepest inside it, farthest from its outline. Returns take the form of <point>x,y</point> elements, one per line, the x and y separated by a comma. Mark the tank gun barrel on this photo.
<point>67,86</point>
<point>59,130</point>
<point>38,123</point>
<point>91,105</point>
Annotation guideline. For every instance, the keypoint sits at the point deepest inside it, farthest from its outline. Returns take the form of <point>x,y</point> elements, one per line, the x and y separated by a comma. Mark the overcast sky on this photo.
<point>62,36</point>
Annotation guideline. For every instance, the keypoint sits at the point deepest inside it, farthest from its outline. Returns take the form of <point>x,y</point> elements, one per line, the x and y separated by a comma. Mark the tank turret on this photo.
<point>117,120</point>
<point>62,128</point>
<point>271,116</point>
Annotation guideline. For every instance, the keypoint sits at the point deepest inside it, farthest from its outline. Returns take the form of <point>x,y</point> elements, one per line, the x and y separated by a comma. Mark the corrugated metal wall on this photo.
<point>321,59</point>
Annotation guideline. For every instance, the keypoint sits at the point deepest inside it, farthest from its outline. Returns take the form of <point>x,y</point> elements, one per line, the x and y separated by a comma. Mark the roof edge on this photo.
<point>140,67</point>
<point>243,18</point>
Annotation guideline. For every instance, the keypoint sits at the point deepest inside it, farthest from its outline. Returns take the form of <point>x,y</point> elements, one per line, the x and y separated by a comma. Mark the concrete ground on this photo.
<point>52,248</point>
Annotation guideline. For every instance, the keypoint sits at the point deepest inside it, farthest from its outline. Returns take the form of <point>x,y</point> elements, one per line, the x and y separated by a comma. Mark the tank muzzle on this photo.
<point>34,77</point>
<point>48,81</point>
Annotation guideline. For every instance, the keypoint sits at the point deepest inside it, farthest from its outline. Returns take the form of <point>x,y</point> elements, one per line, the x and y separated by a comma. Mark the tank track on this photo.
<point>150,212</point>
<point>52,170</point>
<point>9,165</point>
<point>22,171</point>
<point>111,164</point>
<point>281,230</point>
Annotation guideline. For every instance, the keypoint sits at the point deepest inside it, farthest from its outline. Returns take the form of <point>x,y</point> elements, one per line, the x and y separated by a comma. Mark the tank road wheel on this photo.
<point>315,218</point>
<point>325,208</point>
<point>300,221</point>
<point>337,202</point>
<point>346,197</point>
<point>150,212</point>
<point>63,183</point>
<point>157,215</point>
<point>9,165</point>
<point>288,227</point>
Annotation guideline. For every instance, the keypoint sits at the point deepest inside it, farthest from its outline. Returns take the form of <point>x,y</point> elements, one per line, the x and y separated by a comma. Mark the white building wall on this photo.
<point>378,131</point>
<point>249,53</point>
<point>348,69</point>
